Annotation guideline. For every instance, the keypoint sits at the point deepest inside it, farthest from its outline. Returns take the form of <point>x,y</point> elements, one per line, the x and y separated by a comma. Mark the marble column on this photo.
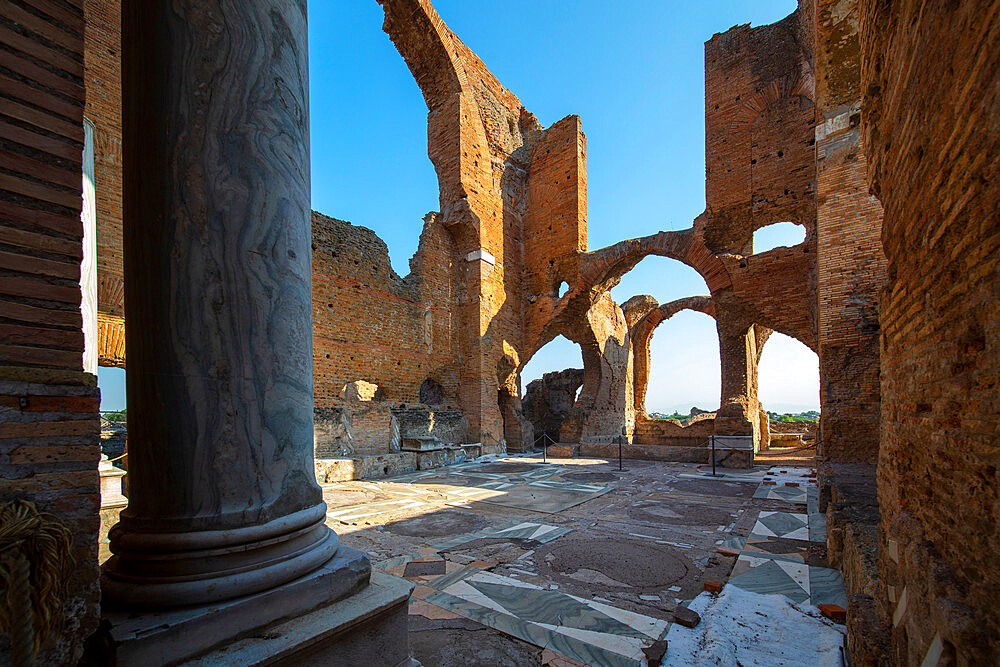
<point>223,500</point>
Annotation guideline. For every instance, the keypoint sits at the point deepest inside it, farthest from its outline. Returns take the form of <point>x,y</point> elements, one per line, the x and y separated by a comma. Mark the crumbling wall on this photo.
<point>851,268</point>
<point>933,166</point>
<point>49,422</point>
<point>370,324</point>
<point>494,161</point>
<point>760,170</point>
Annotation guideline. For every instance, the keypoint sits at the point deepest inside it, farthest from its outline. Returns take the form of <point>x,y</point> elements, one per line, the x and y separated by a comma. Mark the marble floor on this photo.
<point>570,562</point>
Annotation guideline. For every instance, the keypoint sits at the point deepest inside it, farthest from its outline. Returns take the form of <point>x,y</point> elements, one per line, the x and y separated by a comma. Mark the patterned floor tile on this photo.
<point>791,494</point>
<point>826,586</point>
<point>585,630</point>
<point>782,524</point>
<point>789,549</point>
<point>775,577</point>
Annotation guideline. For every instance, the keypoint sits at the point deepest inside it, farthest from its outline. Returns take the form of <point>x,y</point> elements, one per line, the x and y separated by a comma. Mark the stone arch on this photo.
<point>642,334</point>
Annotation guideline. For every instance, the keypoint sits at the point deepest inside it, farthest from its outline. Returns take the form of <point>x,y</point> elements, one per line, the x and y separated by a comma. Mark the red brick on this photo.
<point>713,586</point>
<point>63,404</point>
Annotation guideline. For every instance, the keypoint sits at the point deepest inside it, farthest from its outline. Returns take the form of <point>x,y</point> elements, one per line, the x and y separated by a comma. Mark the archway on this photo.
<point>550,383</point>
<point>788,387</point>
<point>684,368</point>
<point>670,279</point>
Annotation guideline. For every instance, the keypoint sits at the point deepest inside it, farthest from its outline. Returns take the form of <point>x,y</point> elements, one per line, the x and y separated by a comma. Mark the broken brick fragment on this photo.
<point>713,586</point>
<point>834,612</point>
<point>686,617</point>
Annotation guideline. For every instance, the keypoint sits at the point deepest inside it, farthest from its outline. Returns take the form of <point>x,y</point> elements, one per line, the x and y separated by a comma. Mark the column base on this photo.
<point>171,636</point>
<point>368,628</point>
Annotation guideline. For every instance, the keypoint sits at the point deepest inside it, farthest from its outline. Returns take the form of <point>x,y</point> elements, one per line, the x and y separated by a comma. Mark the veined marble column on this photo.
<point>223,500</point>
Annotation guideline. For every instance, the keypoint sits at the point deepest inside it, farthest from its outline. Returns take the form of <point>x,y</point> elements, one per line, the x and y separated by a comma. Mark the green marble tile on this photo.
<point>817,528</point>
<point>532,633</point>
<point>447,580</point>
<point>770,579</point>
<point>826,586</point>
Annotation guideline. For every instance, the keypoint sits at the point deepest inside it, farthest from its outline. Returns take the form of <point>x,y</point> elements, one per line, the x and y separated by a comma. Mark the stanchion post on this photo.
<point>712,438</point>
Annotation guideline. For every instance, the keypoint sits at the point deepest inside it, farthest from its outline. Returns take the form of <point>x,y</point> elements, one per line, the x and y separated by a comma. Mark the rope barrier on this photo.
<point>34,572</point>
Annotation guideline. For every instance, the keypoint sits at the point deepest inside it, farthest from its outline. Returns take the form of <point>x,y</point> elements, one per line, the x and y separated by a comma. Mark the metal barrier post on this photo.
<point>712,438</point>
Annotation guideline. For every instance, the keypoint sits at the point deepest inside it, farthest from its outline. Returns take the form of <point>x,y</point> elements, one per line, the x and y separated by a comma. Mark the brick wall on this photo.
<point>102,74</point>
<point>49,426</point>
<point>760,170</point>
<point>370,324</point>
<point>851,265</point>
<point>933,165</point>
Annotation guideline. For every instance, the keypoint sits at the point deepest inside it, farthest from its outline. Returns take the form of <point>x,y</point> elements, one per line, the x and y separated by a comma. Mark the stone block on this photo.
<point>368,628</point>
<point>432,459</point>
<point>171,636</point>
<point>713,586</point>
<point>562,451</point>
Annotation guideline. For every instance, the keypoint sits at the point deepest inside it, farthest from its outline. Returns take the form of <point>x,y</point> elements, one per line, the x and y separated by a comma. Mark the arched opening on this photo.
<point>369,129</point>
<point>663,278</point>
<point>551,383</point>
<point>684,368</point>
<point>788,389</point>
<point>778,235</point>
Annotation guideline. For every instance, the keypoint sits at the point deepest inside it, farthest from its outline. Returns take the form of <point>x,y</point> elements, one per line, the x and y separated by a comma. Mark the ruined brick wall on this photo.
<point>102,74</point>
<point>49,426</point>
<point>370,324</point>
<point>934,167</point>
<point>851,265</point>
<point>760,170</point>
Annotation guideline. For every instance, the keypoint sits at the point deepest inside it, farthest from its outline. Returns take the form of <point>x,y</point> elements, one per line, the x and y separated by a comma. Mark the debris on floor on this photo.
<point>744,628</point>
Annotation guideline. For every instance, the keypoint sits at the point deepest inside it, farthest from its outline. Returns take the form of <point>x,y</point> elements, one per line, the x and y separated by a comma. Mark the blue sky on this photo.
<point>635,76</point>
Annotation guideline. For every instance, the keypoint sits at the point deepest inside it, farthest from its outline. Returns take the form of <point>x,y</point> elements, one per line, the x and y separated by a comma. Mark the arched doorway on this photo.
<point>550,384</point>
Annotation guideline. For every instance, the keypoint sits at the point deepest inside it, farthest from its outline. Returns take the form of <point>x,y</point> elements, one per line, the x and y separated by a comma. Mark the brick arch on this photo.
<point>642,333</point>
<point>754,105</point>
<point>604,267</point>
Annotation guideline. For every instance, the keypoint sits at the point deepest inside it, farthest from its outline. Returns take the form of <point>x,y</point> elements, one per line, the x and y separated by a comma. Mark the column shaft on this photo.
<point>223,499</point>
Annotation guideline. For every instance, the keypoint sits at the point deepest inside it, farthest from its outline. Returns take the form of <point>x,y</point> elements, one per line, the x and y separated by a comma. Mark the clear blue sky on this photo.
<point>633,71</point>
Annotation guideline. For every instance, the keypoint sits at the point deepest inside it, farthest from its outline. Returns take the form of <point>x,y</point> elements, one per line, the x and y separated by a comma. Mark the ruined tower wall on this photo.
<point>933,165</point>
<point>370,324</point>
<point>851,265</point>
<point>102,60</point>
<point>49,425</point>
<point>759,115</point>
<point>760,170</point>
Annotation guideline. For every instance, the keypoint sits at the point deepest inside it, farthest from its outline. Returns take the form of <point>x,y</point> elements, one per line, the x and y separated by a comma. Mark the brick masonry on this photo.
<point>934,167</point>
<point>49,424</point>
<point>102,73</point>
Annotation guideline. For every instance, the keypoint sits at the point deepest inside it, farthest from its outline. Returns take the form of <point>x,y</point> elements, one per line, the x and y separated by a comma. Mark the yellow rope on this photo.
<point>42,542</point>
<point>119,458</point>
